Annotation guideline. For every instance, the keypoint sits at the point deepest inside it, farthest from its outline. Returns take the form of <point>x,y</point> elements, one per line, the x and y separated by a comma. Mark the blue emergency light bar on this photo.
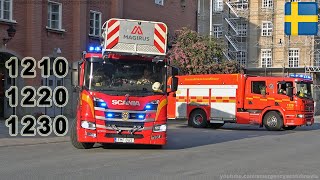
<point>94,49</point>
<point>300,76</point>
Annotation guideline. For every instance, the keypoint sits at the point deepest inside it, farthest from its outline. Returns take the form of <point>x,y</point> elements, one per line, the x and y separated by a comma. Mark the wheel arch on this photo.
<point>269,109</point>
<point>199,108</point>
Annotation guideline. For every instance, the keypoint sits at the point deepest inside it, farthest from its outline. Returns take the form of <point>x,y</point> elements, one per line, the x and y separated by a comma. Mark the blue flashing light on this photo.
<point>109,115</point>
<point>148,106</point>
<point>103,104</point>
<point>300,76</point>
<point>95,49</point>
<point>140,116</point>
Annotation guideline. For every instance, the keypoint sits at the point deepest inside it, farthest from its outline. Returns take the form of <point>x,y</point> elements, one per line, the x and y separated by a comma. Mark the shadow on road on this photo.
<point>181,136</point>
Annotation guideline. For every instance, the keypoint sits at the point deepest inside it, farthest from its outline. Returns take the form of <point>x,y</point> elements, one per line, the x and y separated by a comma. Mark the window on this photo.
<point>217,30</point>
<point>95,23</point>
<point>159,2</point>
<point>257,87</point>
<point>266,58</point>
<point>242,4</point>
<point>267,3</point>
<point>6,10</point>
<point>242,58</point>
<point>267,28</point>
<point>317,58</point>
<point>54,15</point>
<point>242,29</point>
<point>293,57</point>
<point>218,6</point>
<point>282,87</point>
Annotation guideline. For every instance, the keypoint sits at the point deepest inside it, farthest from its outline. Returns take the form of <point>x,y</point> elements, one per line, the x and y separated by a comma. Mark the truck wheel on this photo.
<point>74,138</point>
<point>273,121</point>
<point>198,119</point>
<point>216,125</point>
<point>289,127</point>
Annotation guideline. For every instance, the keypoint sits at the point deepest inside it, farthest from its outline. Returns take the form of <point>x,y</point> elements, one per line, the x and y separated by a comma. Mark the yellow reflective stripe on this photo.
<point>87,99</point>
<point>162,104</point>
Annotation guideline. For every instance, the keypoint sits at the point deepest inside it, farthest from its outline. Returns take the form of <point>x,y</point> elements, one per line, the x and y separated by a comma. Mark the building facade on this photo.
<point>55,28</point>
<point>252,33</point>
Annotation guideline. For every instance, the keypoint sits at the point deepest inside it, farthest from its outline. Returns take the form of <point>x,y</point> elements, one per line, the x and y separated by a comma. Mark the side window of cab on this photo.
<point>258,87</point>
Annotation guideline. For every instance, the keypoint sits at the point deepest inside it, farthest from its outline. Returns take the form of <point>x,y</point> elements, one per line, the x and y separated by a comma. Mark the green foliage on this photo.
<point>195,54</point>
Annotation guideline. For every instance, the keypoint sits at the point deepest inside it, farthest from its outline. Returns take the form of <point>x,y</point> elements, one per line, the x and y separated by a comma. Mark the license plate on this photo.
<point>309,122</point>
<point>124,140</point>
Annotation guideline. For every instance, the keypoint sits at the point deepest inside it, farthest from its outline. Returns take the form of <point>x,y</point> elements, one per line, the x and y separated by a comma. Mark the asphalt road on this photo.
<point>190,154</point>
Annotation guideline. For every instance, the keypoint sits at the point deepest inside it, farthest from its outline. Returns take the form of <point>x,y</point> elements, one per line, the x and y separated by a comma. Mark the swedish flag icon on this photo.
<point>301,18</point>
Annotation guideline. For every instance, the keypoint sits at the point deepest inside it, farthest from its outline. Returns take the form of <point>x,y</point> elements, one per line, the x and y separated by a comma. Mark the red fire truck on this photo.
<point>273,102</point>
<point>123,88</point>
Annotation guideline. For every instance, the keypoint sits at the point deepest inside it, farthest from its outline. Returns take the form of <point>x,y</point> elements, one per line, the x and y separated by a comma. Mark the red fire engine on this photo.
<point>216,99</point>
<point>123,89</point>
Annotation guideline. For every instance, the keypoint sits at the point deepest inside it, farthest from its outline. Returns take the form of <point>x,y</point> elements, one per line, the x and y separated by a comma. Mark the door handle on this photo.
<point>250,102</point>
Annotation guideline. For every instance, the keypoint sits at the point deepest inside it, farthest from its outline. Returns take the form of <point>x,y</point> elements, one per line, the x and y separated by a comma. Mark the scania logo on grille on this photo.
<point>125,115</point>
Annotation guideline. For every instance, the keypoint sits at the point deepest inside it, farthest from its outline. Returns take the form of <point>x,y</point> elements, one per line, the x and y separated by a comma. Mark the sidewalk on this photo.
<point>7,140</point>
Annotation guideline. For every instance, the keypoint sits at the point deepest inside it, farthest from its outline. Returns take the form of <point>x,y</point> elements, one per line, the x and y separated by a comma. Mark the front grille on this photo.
<point>135,136</point>
<point>308,116</point>
<point>309,108</point>
<point>124,124</point>
<point>118,115</point>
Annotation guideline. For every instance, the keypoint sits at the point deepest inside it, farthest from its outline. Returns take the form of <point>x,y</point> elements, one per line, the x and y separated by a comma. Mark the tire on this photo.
<point>272,121</point>
<point>198,119</point>
<point>216,125</point>
<point>74,138</point>
<point>289,127</point>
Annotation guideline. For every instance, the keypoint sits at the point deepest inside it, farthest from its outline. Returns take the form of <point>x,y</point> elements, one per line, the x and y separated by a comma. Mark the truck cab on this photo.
<point>123,93</point>
<point>290,97</point>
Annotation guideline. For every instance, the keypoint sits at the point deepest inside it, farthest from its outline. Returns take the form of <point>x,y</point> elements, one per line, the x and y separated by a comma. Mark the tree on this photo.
<point>195,54</point>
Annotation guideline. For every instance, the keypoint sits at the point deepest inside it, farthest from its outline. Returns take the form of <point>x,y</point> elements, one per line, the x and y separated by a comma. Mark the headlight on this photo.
<point>88,125</point>
<point>160,128</point>
<point>300,115</point>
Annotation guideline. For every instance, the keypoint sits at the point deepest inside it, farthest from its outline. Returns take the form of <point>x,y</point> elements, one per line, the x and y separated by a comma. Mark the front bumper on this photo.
<point>307,120</point>
<point>103,134</point>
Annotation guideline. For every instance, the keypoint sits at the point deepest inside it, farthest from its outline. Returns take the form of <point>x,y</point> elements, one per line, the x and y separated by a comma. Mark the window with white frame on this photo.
<point>293,57</point>
<point>242,29</point>
<point>266,28</point>
<point>95,23</point>
<point>266,58</point>
<point>217,30</point>
<point>54,15</point>
<point>242,58</point>
<point>6,10</point>
<point>242,4</point>
<point>267,3</point>
<point>218,6</point>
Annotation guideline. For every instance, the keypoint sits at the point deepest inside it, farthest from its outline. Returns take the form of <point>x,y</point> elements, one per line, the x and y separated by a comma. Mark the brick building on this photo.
<point>66,28</point>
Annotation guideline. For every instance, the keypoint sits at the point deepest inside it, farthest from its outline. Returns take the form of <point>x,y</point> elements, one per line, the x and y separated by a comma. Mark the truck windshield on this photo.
<point>304,89</point>
<point>118,77</point>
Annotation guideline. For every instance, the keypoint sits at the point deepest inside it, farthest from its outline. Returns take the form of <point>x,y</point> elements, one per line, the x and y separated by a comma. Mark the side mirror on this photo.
<point>75,74</point>
<point>174,84</point>
<point>175,71</point>
<point>289,91</point>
